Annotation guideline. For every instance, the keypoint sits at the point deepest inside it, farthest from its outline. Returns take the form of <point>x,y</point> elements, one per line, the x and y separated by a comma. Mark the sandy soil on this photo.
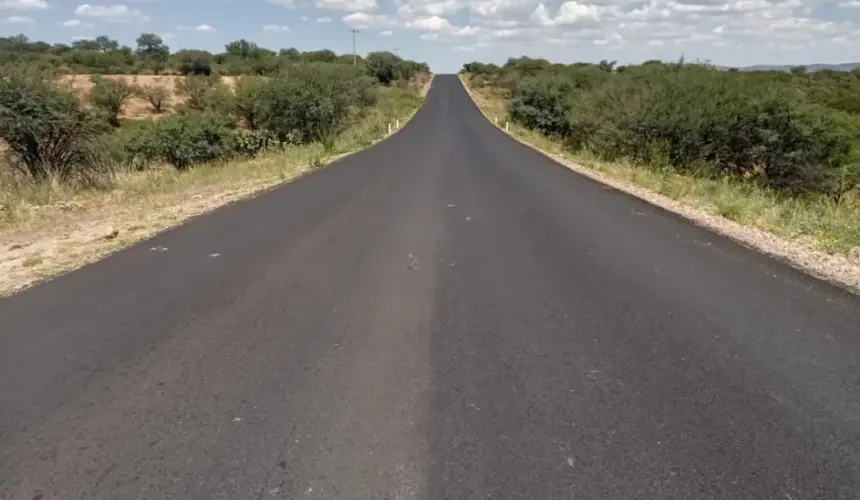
<point>135,108</point>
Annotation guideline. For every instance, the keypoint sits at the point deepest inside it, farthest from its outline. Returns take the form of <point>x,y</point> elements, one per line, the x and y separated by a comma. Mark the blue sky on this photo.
<point>447,33</point>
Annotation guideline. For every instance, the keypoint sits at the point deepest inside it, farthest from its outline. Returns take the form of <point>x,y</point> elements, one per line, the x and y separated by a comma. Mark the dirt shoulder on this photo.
<point>54,238</point>
<point>801,253</point>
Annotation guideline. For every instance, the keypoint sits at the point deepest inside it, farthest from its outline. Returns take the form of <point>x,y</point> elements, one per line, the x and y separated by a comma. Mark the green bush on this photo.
<point>389,68</point>
<point>47,131</point>
<point>314,101</point>
<point>197,90</point>
<point>254,142</point>
<point>106,56</point>
<point>248,93</point>
<point>109,94</point>
<point>791,132</point>
<point>156,95</point>
<point>186,139</point>
<point>542,105</point>
<point>194,62</point>
<point>701,120</point>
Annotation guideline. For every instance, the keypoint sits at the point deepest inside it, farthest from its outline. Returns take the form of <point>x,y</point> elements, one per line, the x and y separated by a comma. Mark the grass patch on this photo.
<point>829,226</point>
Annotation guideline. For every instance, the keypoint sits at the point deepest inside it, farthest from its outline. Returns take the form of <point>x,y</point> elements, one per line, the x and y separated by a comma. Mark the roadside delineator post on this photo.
<point>397,124</point>
<point>496,120</point>
<point>506,126</point>
<point>389,128</point>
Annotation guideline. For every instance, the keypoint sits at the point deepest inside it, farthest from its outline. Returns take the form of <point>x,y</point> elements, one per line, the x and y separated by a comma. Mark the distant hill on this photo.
<point>809,67</point>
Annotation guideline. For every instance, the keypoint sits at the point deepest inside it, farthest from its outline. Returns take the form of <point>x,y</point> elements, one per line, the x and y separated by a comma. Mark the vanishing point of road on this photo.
<point>447,315</point>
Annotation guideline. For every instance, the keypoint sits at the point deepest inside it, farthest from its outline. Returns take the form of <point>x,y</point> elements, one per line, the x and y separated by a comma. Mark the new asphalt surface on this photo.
<point>447,315</point>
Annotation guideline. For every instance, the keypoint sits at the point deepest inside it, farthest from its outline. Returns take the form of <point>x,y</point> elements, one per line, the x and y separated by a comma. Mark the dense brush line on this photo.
<point>794,132</point>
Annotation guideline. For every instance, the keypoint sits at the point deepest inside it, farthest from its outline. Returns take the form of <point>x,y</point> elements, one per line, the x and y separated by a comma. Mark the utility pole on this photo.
<point>354,31</point>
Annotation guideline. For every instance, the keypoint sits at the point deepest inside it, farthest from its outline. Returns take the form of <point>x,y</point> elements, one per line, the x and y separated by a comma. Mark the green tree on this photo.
<point>89,45</point>
<point>607,66</point>
<point>156,95</point>
<point>106,44</point>
<point>384,66</point>
<point>314,101</point>
<point>242,48</point>
<point>152,49</point>
<point>194,62</point>
<point>109,95</point>
<point>46,129</point>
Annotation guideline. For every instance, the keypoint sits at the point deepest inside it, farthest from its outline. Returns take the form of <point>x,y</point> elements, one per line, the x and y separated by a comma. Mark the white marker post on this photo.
<point>496,120</point>
<point>397,124</point>
<point>506,126</point>
<point>389,128</point>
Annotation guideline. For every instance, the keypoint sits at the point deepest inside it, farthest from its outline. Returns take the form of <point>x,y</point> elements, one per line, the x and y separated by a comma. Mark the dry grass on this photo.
<point>818,236</point>
<point>50,228</point>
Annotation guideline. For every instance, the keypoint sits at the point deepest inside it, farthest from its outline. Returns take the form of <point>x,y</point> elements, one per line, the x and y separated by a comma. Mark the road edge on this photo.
<point>833,269</point>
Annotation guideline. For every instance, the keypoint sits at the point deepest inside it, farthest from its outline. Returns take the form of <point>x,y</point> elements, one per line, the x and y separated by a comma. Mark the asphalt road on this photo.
<point>447,315</point>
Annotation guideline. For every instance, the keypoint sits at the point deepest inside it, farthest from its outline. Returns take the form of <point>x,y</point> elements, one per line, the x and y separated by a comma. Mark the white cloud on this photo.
<point>19,20</point>
<point>541,15</point>
<point>23,4</point>
<point>304,18</point>
<point>351,5</point>
<point>431,23</point>
<point>118,13</point>
<point>76,23</point>
<point>502,9</point>
<point>205,28</point>
<point>465,31</point>
<point>730,32</point>
<point>324,19</point>
<point>274,28</point>
<point>285,3</point>
<point>432,8</point>
<point>364,20</point>
<point>429,36</point>
<point>387,33</point>
<point>574,12</point>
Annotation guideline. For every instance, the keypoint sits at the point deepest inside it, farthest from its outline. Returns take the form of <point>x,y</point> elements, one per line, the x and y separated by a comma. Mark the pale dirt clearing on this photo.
<point>136,108</point>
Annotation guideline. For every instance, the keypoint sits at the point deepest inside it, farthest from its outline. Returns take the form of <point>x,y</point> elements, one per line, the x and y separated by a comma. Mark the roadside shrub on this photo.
<point>186,139</point>
<point>794,133</point>
<point>704,121</point>
<point>389,68</point>
<point>47,131</point>
<point>314,101</point>
<point>197,90</point>
<point>254,142</point>
<point>156,95</point>
<point>220,99</point>
<point>248,94</point>
<point>118,149</point>
<point>542,105</point>
<point>109,94</point>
